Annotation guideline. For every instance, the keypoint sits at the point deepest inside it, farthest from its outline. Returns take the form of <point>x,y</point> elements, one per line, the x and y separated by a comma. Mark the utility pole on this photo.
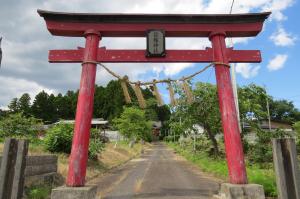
<point>0,51</point>
<point>194,141</point>
<point>235,94</point>
<point>233,81</point>
<point>268,109</point>
<point>174,135</point>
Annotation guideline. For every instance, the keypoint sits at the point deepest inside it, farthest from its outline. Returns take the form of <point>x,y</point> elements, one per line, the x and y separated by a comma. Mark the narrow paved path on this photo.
<point>159,173</point>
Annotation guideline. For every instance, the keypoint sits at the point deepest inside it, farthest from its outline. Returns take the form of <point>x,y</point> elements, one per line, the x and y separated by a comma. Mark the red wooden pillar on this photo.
<point>233,144</point>
<point>84,112</point>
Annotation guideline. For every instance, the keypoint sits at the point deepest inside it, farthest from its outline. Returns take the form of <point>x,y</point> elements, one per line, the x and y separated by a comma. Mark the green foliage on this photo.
<point>218,167</point>
<point>253,102</point>
<point>109,101</point>
<point>261,151</point>
<point>17,125</point>
<point>296,126</point>
<point>169,138</point>
<point>44,108</point>
<point>66,105</point>
<point>38,192</point>
<point>24,104</point>
<point>95,148</point>
<point>59,138</point>
<point>204,112</point>
<point>133,124</point>
<point>284,111</point>
<point>13,105</point>
<point>108,104</point>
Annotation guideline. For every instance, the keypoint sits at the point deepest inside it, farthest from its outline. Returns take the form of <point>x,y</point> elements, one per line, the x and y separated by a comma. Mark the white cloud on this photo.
<point>277,62</point>
<point>12,87</point>
<point>174,69</point>
<point>277,6</point>
<point>282,38</point>
<point>247,70</point>
<point>27,41</point>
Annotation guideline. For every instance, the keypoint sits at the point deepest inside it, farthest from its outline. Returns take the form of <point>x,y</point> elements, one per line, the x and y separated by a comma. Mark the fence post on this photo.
<point>286,168</point>
<point>12,169</point>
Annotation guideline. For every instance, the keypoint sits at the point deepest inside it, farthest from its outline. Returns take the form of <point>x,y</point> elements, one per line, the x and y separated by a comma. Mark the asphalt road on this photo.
<point>159,173</point>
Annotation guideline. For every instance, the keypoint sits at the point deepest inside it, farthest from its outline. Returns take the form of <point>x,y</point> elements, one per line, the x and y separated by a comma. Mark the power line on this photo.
<point>231,7</point>
<point>0,51</point>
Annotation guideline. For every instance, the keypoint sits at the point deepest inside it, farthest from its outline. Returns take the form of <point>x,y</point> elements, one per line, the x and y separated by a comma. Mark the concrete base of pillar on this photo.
<point>241,191</point>
<point>86,192</point>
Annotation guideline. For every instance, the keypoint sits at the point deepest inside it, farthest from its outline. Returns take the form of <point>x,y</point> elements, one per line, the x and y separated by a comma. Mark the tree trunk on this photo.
<point>212,139</point>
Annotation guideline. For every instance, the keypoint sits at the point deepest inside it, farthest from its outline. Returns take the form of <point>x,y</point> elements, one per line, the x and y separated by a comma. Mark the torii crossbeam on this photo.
<point>95,26</point>
<point>138,56</point>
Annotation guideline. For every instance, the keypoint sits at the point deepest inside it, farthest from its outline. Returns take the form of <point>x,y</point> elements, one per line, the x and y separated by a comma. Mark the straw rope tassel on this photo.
<point>157,94</point>
<point>139,95</point>
<point>188,92</point>
<point>172,94</point>
<point>125,89</point>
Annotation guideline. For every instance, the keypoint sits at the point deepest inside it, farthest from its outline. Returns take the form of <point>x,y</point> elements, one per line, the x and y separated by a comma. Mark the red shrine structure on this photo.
<point>96,26</point>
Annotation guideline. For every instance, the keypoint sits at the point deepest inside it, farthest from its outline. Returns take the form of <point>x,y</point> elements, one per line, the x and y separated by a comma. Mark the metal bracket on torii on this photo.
<point>95,26</point>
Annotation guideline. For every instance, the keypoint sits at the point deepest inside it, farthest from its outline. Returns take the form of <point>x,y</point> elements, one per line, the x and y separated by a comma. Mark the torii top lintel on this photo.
<point>136,25</point>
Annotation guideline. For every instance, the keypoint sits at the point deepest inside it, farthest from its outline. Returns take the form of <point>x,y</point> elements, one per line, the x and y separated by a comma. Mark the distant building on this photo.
<point>264,124</point>
<point>156,127</point>
<point>98,123</point>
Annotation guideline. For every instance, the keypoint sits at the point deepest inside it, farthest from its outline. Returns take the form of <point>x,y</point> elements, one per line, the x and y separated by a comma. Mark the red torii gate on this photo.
<point>95,26</point>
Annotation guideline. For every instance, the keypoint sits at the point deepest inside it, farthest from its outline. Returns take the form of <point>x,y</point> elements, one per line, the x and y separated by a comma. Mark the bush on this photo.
<point>38,192</point>
<point>133,124</point>
<point>59,140</point>
<point>95,148</point>
<point>17,125</point>
<point>169,138</point>
<point>261,151</point>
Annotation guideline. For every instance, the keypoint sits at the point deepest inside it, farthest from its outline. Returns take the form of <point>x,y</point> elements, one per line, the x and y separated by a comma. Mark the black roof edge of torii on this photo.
<point>154,18</point>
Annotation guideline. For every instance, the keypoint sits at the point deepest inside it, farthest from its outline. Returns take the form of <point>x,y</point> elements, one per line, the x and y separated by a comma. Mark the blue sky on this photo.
<point>284,82</point>
<point>26,42</point>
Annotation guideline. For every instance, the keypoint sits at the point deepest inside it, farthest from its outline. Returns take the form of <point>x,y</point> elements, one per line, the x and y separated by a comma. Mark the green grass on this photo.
<point>38,192</point>
<point>218,168</point>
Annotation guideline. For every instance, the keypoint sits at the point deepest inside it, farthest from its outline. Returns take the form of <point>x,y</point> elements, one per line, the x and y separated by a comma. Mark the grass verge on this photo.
<point>38,192</point>
<point>218,168</point>
<point>110,158</point>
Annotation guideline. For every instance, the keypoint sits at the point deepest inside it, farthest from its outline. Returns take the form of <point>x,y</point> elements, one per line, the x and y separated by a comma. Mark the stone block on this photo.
<point>241,191</point>
<point>86,192</point>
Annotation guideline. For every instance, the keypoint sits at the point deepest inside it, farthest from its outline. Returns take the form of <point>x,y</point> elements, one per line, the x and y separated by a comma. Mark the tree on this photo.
<point>44,107</point>
<point>133,124</point>
<point>253,102</point>
<point>297,127</point>
<point>204,112</point>
<point>253,106</point>
<point>24,104</point>
<point>18,125</point>
<point>109,101</point>
<point>13,105</point>
<point>284,111</point>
